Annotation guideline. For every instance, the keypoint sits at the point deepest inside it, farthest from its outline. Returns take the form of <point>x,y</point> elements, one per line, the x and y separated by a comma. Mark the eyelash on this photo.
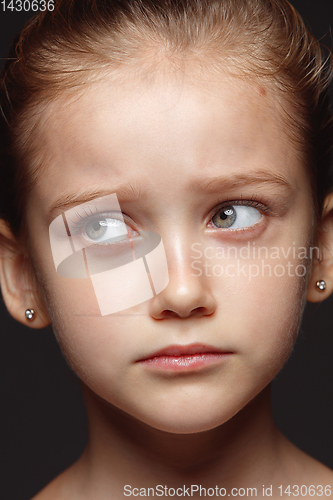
<point>262,204</point>
<point>83,220</point>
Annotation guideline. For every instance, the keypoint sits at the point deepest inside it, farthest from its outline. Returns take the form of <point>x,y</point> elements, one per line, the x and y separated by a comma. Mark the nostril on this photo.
<point>200,311</point>
<point>170,314</point>
<point>196,312</point>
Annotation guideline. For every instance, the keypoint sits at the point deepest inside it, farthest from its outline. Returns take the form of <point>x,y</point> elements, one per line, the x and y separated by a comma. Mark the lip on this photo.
<point>185,358</point>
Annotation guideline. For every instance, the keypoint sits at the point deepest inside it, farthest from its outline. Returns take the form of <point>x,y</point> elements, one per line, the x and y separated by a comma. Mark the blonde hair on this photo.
<point>61,50</point>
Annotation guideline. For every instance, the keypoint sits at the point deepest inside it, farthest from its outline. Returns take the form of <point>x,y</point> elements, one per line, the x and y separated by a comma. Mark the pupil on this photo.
<point>223,216</point>
<point>96,226</point>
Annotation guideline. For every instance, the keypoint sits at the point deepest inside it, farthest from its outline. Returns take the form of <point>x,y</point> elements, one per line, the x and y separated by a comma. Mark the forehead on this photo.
<point>152,129</point>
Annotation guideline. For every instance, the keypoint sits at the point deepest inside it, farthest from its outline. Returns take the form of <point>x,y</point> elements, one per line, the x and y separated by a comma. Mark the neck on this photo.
<point>126,451</point>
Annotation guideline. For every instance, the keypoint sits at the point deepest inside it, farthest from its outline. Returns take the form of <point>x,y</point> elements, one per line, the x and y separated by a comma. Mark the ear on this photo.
<point>18,282</point>
<point>322,268</point>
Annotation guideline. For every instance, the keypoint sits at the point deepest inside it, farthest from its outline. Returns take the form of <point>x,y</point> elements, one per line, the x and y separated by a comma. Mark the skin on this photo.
<point>168,137</point>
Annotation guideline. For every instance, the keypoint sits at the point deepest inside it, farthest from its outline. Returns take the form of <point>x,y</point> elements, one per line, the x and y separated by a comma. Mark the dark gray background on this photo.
<point>43,426</point>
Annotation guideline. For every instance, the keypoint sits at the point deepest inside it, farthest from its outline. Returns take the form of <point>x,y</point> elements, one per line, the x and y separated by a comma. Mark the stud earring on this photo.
<point>321,285</point>
<point>30,314</point>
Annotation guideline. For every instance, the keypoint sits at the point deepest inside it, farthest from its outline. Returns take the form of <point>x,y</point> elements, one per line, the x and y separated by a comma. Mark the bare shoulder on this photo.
<point>302,469</point>
<point>318,474</point>
<point>62,487</point>
<point>54,490</point>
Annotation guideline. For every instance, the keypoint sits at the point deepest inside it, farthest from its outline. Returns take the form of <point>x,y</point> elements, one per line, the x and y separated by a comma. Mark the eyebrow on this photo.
<point>129,192</point>
<point>248,179</point>
<point>125,192</point>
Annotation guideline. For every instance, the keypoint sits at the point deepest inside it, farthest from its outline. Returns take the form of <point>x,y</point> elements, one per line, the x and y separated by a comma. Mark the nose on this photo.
<point>186,295</point>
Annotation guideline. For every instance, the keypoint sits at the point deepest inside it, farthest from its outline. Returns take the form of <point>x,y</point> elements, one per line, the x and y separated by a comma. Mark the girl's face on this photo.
<point>210,168</point>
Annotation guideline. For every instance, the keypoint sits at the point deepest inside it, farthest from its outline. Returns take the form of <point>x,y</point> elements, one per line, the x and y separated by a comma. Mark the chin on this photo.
<point>190,423</point>
<point>190,416</point>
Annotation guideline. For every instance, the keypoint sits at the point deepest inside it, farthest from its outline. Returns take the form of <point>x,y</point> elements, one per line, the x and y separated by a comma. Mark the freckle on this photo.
<point>262,90</point>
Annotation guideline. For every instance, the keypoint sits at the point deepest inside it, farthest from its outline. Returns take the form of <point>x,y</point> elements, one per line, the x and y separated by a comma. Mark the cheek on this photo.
<point>262,312</point>
<point>75,317</point>
<point>98,348</point>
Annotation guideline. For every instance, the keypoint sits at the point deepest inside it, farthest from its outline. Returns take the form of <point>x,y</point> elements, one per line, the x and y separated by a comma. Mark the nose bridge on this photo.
<point>178,245</point>
<point>186,294</point>
<point>177,253</point>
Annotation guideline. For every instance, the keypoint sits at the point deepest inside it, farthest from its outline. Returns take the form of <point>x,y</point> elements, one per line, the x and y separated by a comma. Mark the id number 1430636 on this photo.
<point>27,5</point>
<point>305,491</point>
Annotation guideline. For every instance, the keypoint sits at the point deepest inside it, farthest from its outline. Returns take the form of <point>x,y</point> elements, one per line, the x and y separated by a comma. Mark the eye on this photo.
<point>102,229</point>
<point>236,217</point>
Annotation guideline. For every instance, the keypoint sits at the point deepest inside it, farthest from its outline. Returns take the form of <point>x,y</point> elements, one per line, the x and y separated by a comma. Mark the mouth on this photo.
<point>184,358</point>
